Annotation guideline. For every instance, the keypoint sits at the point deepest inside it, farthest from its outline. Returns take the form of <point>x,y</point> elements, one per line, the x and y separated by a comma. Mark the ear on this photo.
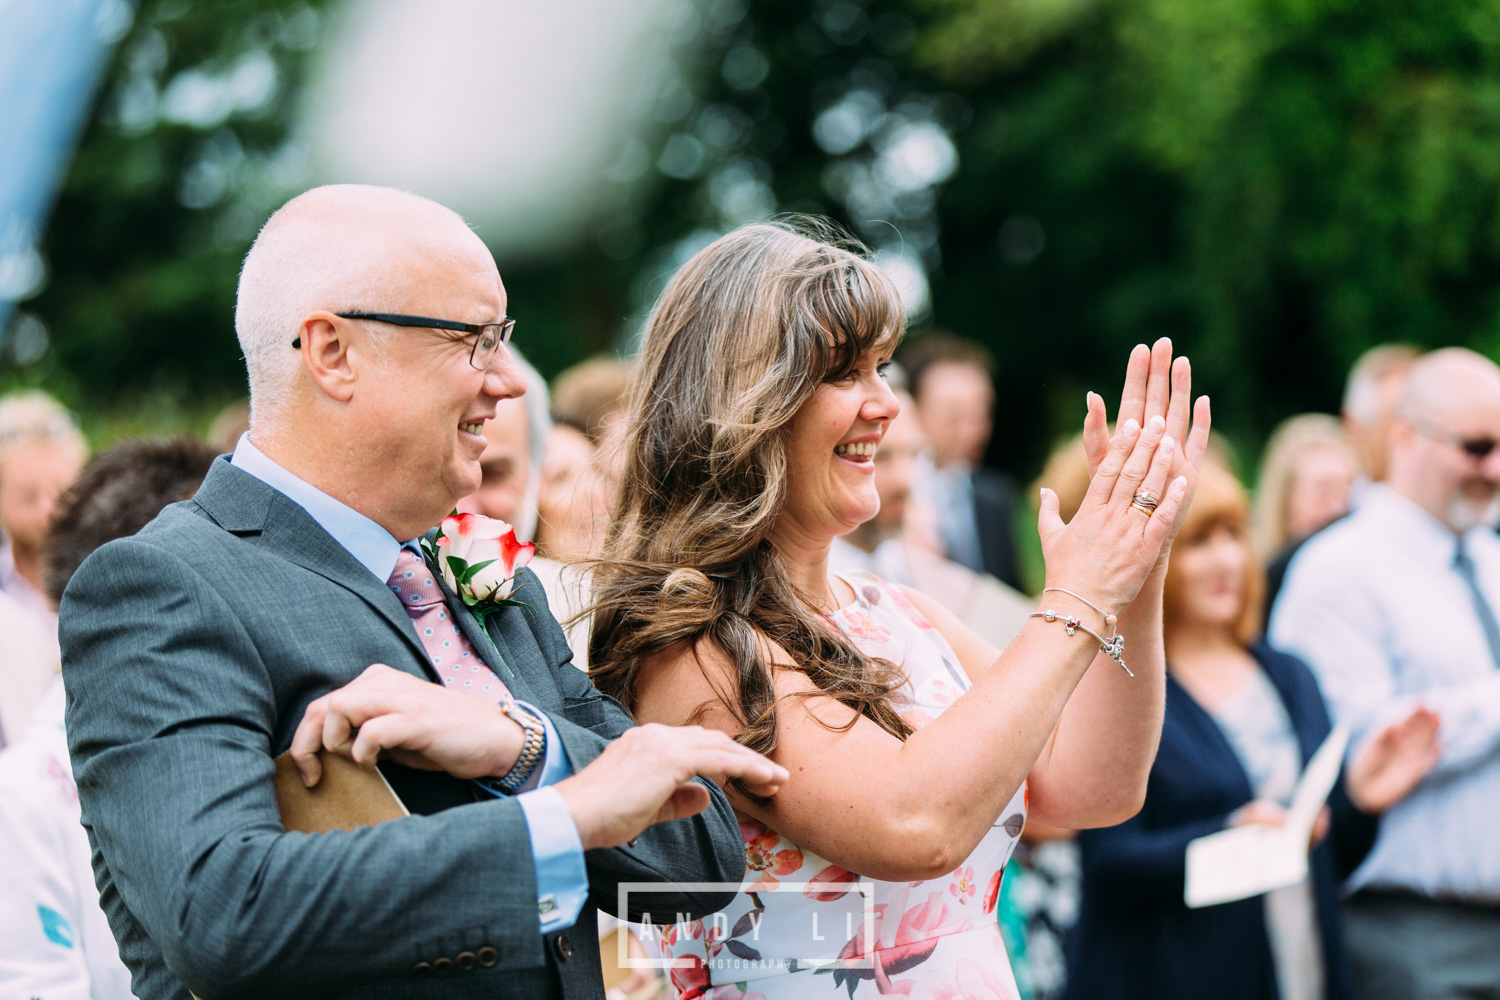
<point>325,343</point>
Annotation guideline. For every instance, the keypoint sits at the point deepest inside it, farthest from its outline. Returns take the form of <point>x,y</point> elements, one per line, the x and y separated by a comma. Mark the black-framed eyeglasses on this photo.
<point>487,336</point>
<point>1477,448</point>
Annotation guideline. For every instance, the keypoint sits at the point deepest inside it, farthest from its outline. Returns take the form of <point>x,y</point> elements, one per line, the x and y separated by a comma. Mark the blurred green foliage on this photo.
<point>188,148</point>
<point>1276,184</point>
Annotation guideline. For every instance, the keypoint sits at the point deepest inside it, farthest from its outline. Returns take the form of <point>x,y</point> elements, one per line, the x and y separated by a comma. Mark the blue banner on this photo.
<point>51,55</point>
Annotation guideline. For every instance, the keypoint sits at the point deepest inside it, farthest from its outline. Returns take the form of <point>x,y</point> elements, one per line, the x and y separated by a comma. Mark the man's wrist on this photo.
<point>529,755</point>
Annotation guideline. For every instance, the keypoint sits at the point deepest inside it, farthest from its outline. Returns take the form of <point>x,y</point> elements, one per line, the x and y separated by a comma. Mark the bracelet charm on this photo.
<point>1113,647</point>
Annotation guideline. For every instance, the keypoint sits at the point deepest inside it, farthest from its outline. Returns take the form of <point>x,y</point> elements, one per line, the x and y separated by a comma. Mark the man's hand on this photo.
<point>646,777</point>
<point>1394,761</point>
<point>415,722</point>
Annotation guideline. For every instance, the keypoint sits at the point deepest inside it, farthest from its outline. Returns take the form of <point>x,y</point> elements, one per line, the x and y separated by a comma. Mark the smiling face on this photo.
<point>421,403</point>
<point>831,448</point>
<point>505,465</point>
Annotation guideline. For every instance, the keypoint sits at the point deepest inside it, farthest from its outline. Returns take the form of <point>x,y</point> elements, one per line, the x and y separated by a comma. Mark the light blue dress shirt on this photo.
<point>556,850</point>
<point>1377,609</point>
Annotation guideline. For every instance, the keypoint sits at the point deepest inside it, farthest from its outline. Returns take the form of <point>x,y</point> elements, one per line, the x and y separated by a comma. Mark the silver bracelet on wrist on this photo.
<point>1113,647</point>
<point>1109,619</point>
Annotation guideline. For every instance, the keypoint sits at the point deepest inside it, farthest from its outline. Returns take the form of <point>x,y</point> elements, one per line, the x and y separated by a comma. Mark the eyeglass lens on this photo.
<point>1478,447</point>
<point>488,341</point>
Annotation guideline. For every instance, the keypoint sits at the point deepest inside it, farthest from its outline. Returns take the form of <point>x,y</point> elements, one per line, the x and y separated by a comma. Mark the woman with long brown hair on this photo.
<point>913,745</point>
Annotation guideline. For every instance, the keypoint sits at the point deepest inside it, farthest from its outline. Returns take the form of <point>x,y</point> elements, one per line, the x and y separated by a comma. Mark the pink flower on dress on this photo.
<point>970,980</point>
<point>732,991</point>
<point>963,885</point>
<point>829,884</point>
<point>862,626</point>
<point>908,608</point>
<point>992,894</point>
<point>762,857</point>
<point>691,980</point>
<point>916,938</point>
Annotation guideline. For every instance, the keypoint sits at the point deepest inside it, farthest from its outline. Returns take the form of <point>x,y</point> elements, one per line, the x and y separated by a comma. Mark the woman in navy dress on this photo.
<point>1241,722</point>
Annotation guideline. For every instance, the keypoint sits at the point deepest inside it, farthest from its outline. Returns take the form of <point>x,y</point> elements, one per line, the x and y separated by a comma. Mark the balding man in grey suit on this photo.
<point>260,616</point>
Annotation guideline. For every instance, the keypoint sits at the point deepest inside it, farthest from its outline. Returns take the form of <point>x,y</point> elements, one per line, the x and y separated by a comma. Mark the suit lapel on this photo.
<point>243,505</point>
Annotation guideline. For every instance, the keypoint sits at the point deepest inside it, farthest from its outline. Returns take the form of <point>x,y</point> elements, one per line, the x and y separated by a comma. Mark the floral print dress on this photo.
<point>803,927</point>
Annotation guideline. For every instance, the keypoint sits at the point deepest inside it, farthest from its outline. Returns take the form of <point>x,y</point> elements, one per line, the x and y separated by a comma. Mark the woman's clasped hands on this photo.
<point>1141,481</point>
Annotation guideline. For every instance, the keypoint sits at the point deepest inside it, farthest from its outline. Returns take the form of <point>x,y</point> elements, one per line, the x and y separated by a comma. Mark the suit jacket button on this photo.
<point>564,947</point>
<point>467,960</point>
<point>443,966</point>
<point>488,956</point>
<point>422,968</point>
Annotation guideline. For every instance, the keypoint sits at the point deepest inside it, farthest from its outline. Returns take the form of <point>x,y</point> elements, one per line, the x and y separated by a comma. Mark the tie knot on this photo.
<point>414,582</point>
<point>1461,555</point>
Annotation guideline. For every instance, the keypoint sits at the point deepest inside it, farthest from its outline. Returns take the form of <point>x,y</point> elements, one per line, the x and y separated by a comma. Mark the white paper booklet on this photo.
<point>1249,860</point>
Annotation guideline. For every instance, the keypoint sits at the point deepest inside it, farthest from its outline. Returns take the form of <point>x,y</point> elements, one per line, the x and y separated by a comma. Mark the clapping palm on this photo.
<point>1155,386</point>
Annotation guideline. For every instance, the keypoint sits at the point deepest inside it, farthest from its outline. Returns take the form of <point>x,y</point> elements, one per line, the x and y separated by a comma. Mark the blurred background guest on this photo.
<point>1305,477</point>
<point>591,395</point>
<point>41,452</point>
<point>511,465</point>
<point>512,470</point>
<point>952,384</point>
<point>28,663</point>
<point>572,497</point>
<point>1241,722</point>
<point>581,458</point>
<point>1370,396</point>
<point>897,544</point>
<point>54,941</point>
<point>1396,606</point>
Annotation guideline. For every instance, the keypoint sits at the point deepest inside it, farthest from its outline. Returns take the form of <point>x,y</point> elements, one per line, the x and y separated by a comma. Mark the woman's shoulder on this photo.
<point>875,592</point>
<point>1296,683</point>
<point>1287,671</point>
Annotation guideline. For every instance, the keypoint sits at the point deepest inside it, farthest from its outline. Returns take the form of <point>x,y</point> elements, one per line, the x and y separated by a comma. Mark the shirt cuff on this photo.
<point>562,883</point>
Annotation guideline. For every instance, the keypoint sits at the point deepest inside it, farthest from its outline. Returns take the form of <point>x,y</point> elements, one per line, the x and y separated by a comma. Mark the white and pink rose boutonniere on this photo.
<point>479,558</point>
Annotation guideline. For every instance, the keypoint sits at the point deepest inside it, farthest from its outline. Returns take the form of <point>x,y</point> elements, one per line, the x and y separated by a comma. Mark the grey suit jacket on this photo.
<point>190,652</point>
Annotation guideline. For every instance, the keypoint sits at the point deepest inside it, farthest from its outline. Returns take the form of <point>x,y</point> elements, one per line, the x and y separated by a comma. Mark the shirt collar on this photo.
<point>1416,528</point>
<point>368,542</point>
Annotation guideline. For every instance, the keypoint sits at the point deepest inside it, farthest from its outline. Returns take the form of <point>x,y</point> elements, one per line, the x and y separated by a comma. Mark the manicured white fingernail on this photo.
<point>1180,483</point>
<point>1158,422</point>
<point>1131,427</point>
<point>1166,443</point>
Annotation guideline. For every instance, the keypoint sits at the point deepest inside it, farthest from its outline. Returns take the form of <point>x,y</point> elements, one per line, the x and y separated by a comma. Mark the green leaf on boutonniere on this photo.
<point>471,571</point>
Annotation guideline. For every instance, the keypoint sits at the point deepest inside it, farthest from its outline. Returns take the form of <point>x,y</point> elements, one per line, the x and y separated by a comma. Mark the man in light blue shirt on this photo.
<point>1396,606</point>
<point>374,330</point>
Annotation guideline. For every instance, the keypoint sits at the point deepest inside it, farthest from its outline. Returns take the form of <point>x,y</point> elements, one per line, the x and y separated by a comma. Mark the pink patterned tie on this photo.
<point>452,657</point>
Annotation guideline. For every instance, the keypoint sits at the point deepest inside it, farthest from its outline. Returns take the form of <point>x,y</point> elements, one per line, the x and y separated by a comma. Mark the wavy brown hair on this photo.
<point>740,339</point>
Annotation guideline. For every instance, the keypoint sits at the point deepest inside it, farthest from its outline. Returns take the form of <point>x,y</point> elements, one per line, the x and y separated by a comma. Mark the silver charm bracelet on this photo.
<point>1113,647</point>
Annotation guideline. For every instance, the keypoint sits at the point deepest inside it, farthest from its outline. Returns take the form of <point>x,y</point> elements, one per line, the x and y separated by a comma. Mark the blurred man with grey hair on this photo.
<point>1395,606</point>
<point>1370,396</point>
